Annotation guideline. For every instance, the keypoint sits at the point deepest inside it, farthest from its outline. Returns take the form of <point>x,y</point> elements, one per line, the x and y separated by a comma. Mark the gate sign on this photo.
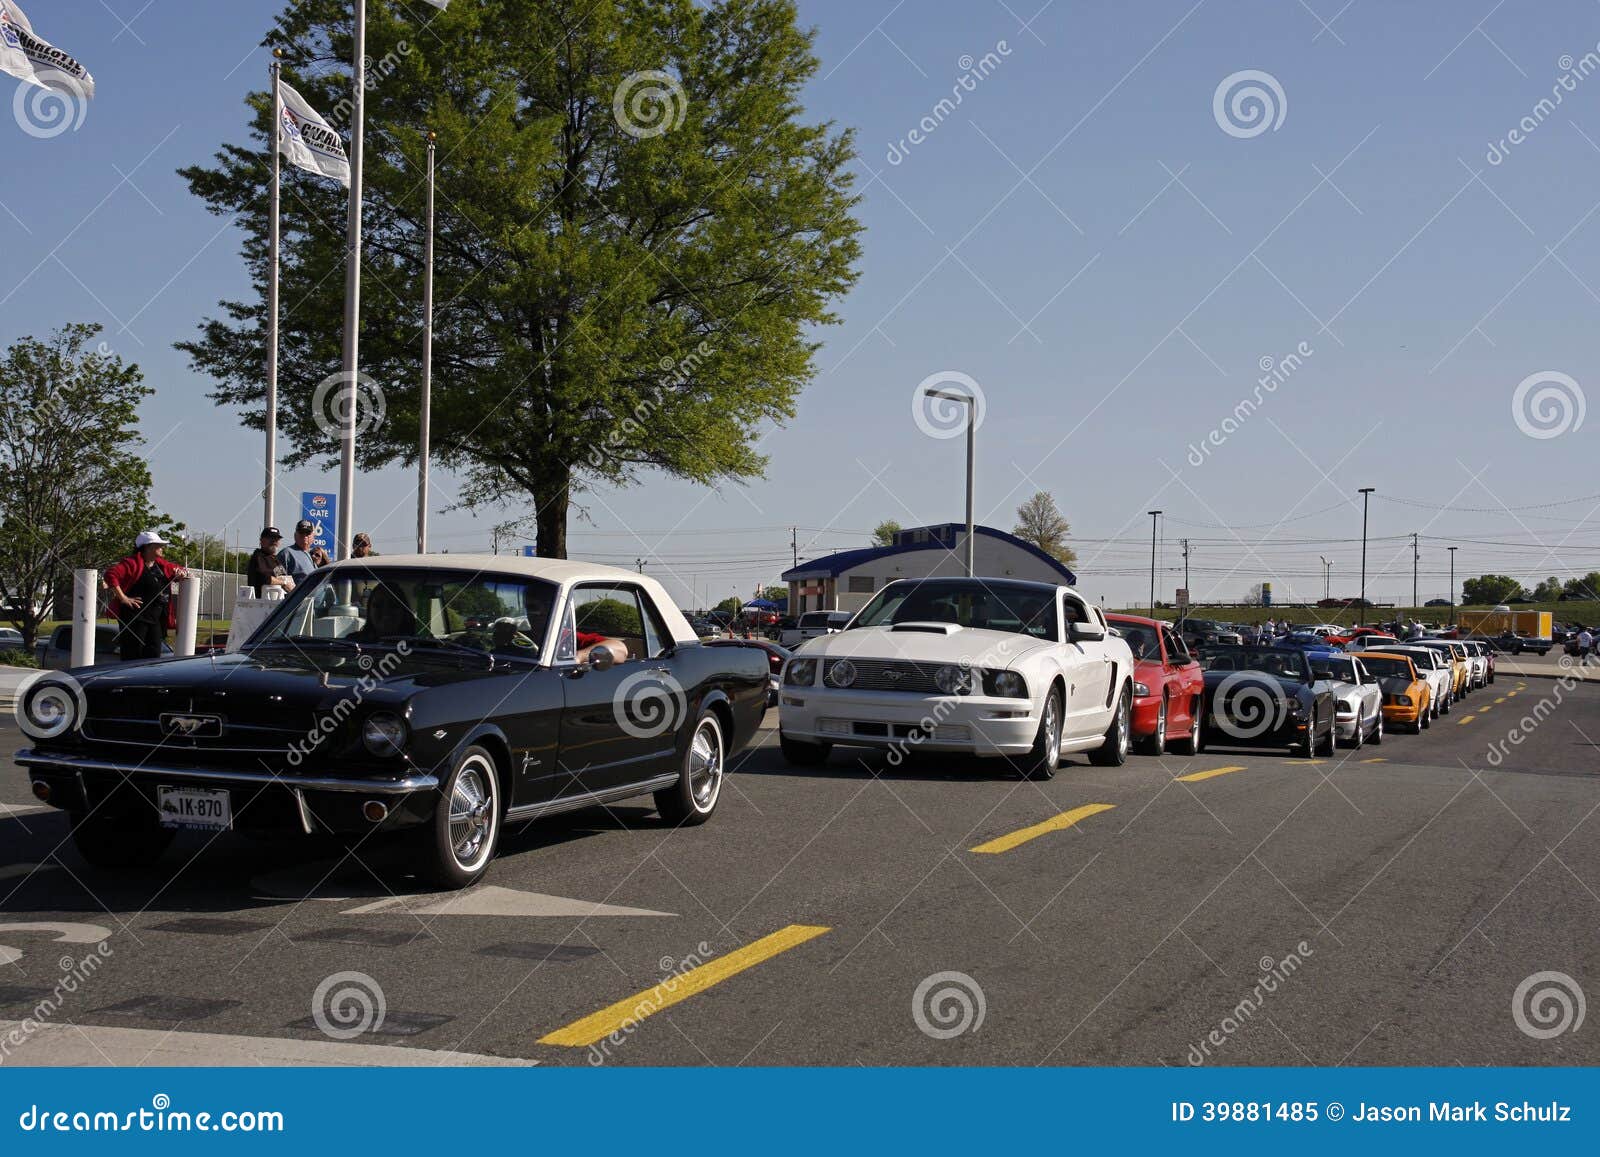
<point>321,510</point>
<point>530,550</point>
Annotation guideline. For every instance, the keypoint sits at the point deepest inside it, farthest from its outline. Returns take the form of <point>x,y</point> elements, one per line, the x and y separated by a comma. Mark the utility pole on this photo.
<point>794,544</point>
<point>1416,556</point>
<point>1154,516</point>
<point>1327,575</point>
<point>1185,543</point>
<point>1366,495</point>
<point>1452,551</point>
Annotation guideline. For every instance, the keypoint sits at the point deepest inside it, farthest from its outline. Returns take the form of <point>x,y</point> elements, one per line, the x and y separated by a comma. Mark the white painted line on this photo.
<point>83,1046</point>
<point>493,900</point>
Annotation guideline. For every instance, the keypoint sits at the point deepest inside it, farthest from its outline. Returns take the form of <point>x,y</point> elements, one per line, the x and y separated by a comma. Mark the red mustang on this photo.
<point>1169,688</point>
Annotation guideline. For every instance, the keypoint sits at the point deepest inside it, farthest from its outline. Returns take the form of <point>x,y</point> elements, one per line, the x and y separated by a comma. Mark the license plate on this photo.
<point>195,807</point>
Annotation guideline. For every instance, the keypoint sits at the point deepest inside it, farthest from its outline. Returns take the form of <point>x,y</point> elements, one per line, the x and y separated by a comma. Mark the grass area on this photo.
<point>1580,612</point>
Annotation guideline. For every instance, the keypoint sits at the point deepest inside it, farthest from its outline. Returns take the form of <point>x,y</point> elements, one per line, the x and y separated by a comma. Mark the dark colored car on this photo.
<point>1264,696</point>
<point>1307,641</point>
<point>776,656</point>
<point>1515,644</point>
<point>1197,633</point>
<point>365,704</point>
<point>54,652</point>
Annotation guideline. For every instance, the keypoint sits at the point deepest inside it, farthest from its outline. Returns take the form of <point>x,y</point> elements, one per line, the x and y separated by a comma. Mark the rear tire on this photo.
<point>694,797</point>
<point>120,839</point>
<point>802,754</point>
<point>1114,751</point>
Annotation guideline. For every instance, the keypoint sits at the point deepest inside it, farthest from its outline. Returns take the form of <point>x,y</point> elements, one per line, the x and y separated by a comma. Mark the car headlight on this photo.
<point>1141,690</point>
<point>842,673</point>
<point>800,672</point>
<point>384,734</point>
<point>1402,700</point>
<point>1347,708</point>
<point>953,680</point>
<point>50,709</point>
<point>1005,685</point>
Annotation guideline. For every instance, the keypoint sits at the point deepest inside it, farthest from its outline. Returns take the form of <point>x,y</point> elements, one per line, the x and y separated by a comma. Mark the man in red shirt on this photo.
<point>140,586</point>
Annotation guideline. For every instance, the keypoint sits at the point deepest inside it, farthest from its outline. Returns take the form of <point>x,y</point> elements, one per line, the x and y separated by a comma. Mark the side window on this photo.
<point>1176,651</point>
<point>657,641</point>
<point>608,611</point>
<point>1072,611</point>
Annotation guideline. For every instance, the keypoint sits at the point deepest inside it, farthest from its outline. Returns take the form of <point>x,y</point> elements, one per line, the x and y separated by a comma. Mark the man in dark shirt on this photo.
<point>264,566</point>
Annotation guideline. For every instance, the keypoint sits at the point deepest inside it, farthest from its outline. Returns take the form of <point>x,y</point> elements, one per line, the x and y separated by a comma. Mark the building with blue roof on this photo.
<point>846,580</point>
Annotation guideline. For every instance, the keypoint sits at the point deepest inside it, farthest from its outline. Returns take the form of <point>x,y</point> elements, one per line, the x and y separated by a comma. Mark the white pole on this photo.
<point>351,361</point>
<point>188,613</point>
<point>425,413</point>
<point>269,493</point>
<point>84,593</point>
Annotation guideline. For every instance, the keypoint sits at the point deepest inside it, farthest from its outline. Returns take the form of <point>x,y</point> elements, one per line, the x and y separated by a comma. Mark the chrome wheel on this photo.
<point>1124,729</point>
<point>1052,731</point>
<point>473,813</point>
<point>705,765</point>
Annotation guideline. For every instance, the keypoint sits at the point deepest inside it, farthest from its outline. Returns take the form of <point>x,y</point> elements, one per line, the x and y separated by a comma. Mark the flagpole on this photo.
<point>425,411</point>
<point>351,361</point>
<point>269,492</point>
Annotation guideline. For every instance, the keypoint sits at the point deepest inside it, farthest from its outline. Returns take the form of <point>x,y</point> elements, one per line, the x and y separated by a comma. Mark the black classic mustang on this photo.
<point>1265,696</point>
<point>436,697</point>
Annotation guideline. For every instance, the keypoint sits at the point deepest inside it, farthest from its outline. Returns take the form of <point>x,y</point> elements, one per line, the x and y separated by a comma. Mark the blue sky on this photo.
<point>1081,237</point>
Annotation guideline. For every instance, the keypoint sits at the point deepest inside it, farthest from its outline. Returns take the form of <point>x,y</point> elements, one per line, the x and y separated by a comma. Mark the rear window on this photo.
<point>814,619</point>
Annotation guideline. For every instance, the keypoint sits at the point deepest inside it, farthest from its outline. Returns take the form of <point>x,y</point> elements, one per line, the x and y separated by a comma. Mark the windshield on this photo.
<point>1425,658</point>
<point>1339,670</point>
<point>488,613</point>
<point>1271,661</point>
<point>1389,668</point>
<point>1141,640</point>
<point>1023,609</point>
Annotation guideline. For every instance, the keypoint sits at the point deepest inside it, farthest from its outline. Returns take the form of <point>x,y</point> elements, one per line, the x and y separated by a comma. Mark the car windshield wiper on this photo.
<point>431,643</point>
<point>299,641</point>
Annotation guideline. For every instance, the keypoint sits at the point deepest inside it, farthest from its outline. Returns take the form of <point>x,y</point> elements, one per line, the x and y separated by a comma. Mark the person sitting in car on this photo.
<point>508,635</point>
<point>388,616</point>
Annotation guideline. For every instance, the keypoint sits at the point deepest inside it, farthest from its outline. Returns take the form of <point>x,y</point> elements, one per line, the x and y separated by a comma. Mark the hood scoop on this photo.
<point>927,628</point>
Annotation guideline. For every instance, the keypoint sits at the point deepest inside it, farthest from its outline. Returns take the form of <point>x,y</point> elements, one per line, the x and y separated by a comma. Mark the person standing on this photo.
<point>264,569</point>
<point>141,597</point>
<point>361,546</point>
<point>296,559</point>
<point>1585,645</point>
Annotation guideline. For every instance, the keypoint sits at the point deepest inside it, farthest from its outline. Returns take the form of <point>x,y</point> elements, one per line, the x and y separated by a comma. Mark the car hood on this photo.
<point>925,643</point>
<point>1394,684</point>
<point>1242,679</point>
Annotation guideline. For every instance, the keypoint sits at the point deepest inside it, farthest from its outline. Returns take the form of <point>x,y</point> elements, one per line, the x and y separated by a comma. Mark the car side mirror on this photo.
<point>601,658</point>
<point>1084,633</point>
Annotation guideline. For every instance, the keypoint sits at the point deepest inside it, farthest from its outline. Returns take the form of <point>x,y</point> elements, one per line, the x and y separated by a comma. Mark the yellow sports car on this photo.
<point>1406,695</point>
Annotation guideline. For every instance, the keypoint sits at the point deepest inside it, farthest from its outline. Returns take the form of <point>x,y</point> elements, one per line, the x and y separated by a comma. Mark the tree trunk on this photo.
<point>551,497</point>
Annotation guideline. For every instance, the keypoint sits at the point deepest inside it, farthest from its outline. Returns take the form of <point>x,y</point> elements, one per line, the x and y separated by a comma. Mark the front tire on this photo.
<point>461,840</point>
<point>1114,751</point>
<point>1041,762</point>
<point>1156,744</point>
<point>110,839</point>
<point>694,797</point>
<point>1194,744</point>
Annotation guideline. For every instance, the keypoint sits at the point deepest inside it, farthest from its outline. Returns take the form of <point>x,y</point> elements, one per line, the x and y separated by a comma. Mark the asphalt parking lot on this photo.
<point>1397,896</point>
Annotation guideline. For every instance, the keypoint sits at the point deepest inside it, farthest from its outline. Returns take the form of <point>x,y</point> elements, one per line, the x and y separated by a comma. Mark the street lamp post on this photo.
<point>971,402</point>
<point>1452,551</point>
<point>1366,494</point>
<point>1327,575</point>
<point>1154,515</point>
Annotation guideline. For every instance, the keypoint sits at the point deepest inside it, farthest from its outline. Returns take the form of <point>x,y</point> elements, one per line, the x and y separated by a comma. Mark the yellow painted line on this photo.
<point>1375,759</point>
<point>1509,694</point>
<point>1465,719</point>
<point>1502,698</point>
<point>613,1018</point>
<point>1196,777</point>
<point>1301,762</point>
<point>1058,823</point>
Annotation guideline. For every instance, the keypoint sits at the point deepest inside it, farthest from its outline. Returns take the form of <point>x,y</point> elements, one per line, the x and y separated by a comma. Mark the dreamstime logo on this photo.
<point>48,112</point>
<point>1572,71</point>
<point>948,1004</point>
<point>1274,974</point>
<point>945,417</point>
<point>972,73</point>
<point>651,1002</point>
<point>1548,1004</point>
<point>49,704</point>
<point>1248,103</point>
<point>648,703</point>
<point>1251,707</point>
<point>1274,373</point>
<point>648,104</point>
<point>364,404</point>
<point>1548,404</point>
<point>347,1004</point>
<point>1531,719</point>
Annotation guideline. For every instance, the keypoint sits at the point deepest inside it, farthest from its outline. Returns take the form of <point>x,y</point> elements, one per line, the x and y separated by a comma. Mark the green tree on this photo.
<point>731,605</point>
<point>1587,587</point>
<point>1548,591</point>
<point>1040,522</point>
<point>883,534</point>
<point>74,484</point>
<point>775,594</point>
<point>1489,589</point>
<point>638,234</point>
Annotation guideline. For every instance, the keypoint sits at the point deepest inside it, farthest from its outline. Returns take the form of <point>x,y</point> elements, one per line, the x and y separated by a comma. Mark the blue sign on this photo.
<point>322,512</point>
<point>530,551</point>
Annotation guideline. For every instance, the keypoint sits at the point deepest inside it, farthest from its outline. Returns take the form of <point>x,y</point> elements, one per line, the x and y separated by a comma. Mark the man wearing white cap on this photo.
<point>140,586</point>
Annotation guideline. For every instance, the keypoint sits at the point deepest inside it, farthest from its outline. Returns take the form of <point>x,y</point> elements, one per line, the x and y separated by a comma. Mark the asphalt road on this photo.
<point>1381,907</point>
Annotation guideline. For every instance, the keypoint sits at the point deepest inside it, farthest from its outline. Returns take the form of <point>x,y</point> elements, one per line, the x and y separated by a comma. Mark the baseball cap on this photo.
<point>271,532</point>
<point>303,527</point>
<point>149,538</point>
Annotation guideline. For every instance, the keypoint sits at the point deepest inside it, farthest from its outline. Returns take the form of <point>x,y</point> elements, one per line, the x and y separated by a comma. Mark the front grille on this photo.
<point>888,675</point>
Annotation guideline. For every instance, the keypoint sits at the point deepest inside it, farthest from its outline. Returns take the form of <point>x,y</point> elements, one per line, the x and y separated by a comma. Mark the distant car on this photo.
<point>1306,641</point>
<point>776,657</point>
<point>1512,643</point>
<point>1407,693</point>
<point>1267,696</point>
<point>703,628</point>
<point>1438,603</point>
<point>1371,642</point>
<point>1168,690</point>
<point>54,652</point>
<point>813,625</point>
<point>1334,604</point>
<point>1357,698</point>
<point>10,639</point>
<point>1197,633</point>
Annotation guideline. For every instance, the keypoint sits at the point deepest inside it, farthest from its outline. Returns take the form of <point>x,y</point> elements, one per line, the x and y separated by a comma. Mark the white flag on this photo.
<point>28,58</point>
<point>308,140</point>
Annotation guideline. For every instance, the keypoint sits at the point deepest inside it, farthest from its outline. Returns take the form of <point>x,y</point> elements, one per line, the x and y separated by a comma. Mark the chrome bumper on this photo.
<point>78,763</point>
